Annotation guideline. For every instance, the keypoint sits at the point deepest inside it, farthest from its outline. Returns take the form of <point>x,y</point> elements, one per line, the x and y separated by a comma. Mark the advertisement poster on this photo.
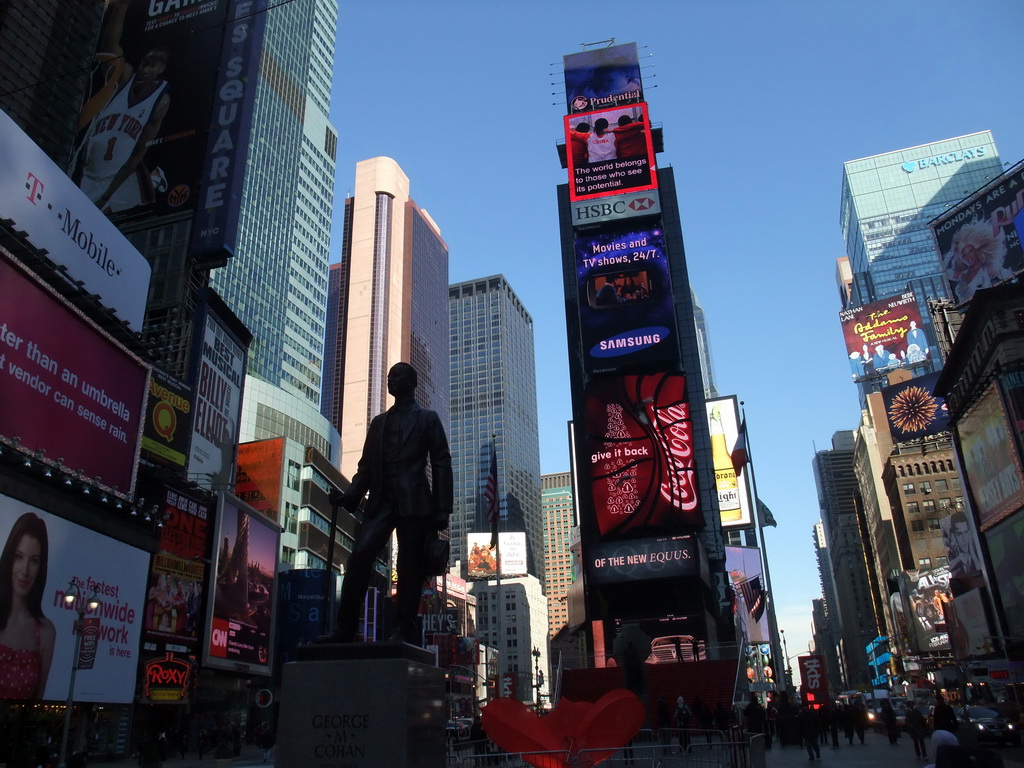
<point>990,460</point>
<point>733,497</point>
<point>977,240</point>
<point>928,594</point>
<point>1006,550</point>
<point>642,559</point>
<point>56,553</point>
<point>813,678</point>
<point>884,335</point>
<point>962,553</point>
<point>625,298</point>
<point>217,378</point>
<point>168,424</point>
<point>968,625</point>
<point>174,600</point>
<point>300,610</point>
<point>55,216</point>
<point>241,612</point>
<point>602,77</point>
<point>913,411</point>
<point>258,482</point>
<point>1012,386</point>
<point>745,573</point>
<point>609,152</point>
<point>482,559</point>
<point>639,437</point>
<point>66,387</point>
<point>143,126</point>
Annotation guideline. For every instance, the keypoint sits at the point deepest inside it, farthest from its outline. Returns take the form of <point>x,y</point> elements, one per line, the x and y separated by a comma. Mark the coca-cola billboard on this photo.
<point>641,468</point>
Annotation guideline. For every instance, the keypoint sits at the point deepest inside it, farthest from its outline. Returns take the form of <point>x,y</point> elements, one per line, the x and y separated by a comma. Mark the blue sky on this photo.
<point>761,103</point>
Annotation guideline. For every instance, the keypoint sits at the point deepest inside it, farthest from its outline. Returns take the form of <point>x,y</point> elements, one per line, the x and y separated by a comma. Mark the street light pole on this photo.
<point>536,676</point>
<point>74,597</point>
<point>789,669</point>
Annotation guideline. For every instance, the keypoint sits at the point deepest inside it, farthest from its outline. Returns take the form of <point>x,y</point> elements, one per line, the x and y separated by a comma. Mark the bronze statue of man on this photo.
<point>393,468</point>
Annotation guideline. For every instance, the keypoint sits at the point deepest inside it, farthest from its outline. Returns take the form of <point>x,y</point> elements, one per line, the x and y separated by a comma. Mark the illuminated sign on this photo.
<point>609,152</point>
<point>641,473</point>
<point>733,498</point>
<point>642,559</point>
<point>913,411</point>
<point>616,208</point>
<point>625,298</point>
<point>167,679</point>
<point>258,483</point>
<point>602,77</point>
<point>884,335</point>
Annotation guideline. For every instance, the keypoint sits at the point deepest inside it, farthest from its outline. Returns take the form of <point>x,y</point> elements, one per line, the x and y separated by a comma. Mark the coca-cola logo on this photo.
<point>675,434</point>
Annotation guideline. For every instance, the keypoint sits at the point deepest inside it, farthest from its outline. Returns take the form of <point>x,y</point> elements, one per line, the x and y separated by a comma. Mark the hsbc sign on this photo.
<point>614,208</point>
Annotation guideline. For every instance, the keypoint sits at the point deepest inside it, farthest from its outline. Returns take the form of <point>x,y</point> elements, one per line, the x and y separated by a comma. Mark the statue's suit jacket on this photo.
<point>422,439</point>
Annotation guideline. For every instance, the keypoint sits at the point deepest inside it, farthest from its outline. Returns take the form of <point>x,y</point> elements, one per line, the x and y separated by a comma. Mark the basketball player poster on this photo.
<point>142,128</point>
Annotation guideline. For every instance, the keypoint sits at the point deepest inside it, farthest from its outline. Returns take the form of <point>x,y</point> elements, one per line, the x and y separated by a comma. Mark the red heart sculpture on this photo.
<point>601,728</point>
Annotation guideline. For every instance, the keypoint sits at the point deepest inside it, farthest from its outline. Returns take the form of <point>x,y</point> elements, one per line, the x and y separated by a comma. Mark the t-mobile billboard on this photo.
<point>641,472</point>
<point>66,387</point>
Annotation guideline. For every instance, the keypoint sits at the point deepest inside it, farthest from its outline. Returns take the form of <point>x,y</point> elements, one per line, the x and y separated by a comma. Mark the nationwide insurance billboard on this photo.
<point>977,240</point>
<point>143,126</point>
<point>625,298</point>
<point>116,573</point>
<point>884,335</point>
<point>66,387</point>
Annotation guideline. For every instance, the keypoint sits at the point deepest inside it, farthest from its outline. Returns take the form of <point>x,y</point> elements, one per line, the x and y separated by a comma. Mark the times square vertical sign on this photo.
<point>635,451</point>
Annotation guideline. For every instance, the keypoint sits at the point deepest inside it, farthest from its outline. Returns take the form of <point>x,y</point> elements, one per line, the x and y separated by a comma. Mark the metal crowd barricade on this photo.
<point>650,749</point>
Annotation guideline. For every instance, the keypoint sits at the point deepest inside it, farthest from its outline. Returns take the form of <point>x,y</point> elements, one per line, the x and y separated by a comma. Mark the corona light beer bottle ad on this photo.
<point>725,476</point>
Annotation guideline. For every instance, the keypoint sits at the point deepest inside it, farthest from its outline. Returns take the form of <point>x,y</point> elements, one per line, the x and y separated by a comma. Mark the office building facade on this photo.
<point>494,396</point>
<point>277,280</point>
<point>386,305</point>
<point>559,518</point>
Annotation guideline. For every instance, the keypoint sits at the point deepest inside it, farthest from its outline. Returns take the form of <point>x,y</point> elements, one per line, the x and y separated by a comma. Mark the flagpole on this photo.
<point>773,624</point>
<point>500,612</point>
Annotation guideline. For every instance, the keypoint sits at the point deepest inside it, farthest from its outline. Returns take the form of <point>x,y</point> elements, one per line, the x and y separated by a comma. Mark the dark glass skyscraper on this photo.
<point>494,392</point>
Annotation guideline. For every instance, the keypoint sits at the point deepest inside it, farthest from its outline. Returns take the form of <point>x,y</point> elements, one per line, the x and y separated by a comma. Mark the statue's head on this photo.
<point>402,380</point>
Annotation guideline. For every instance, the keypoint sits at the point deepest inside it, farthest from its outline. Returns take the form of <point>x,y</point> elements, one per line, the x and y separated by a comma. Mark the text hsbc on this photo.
<point>607,209</point>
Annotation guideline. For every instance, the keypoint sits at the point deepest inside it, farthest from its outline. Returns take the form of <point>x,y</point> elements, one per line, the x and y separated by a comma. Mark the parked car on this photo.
<point>989,725</point>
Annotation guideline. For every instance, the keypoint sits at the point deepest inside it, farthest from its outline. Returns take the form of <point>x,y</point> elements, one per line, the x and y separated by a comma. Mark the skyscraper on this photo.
<point>277,281</point>
<point>386,305</point>
<point>559,519</point>
<point>838,499</point>
<point>494,392</point>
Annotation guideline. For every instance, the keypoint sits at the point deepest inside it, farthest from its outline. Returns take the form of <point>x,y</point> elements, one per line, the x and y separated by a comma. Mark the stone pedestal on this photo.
<point>362,705</point>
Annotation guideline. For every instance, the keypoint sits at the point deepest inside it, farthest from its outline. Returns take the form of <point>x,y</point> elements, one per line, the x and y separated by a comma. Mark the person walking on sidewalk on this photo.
<point>943,718</point>
<point>810,731</point>
<point>892,728</point>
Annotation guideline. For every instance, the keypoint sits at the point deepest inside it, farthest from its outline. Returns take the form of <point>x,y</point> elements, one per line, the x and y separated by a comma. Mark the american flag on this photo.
<point>490,496</point>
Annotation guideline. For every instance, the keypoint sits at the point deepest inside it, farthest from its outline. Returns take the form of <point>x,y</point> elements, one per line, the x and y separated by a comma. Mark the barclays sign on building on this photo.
<point>947,159</point>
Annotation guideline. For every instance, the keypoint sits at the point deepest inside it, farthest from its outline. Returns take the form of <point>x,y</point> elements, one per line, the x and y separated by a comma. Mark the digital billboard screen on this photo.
<point>258,482</point>
<point>977,240</point>
<point>913,411</point>
<point>1005,543</point>
<point>178,573</point>
<point>67,552</point>
<point>928,594</point>
<point>734,505</point>
<point>602,77</point>
<point>745,573</point>
<point>884,335</point>
<point>143,125</point>
<point>625,298</point>
<point>609,152</point>
<point>483,560</point>
<point>990,460</point>
<point>66,387</point>
<point>641,471</point>
<point>242,609</point>
<point>642,559</point>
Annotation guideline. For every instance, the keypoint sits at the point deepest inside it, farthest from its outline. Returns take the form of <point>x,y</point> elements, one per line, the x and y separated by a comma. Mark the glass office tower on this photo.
<point>494,392</point>
<point>277,281</point>
<point>887,202</point>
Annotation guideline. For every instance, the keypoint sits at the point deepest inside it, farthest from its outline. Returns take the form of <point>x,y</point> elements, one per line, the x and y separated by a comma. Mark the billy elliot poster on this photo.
<point>639,437</point>
<point>625,298</point>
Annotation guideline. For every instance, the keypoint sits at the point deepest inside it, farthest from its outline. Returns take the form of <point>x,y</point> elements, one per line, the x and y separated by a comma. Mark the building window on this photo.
<point>917,526</point>
<point>941,485</point>
<point>913,508</point>
<point>924,562</point>
<point>941,561</point>
<point>945,503</point>
<point>908,489</point>
<point>956,483</point>
<point>933,523</point>
<point>929,505</point>
<point>926,487</point>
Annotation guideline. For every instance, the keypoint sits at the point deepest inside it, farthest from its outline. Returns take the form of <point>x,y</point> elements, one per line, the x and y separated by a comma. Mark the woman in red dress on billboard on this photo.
<point>27,637</point>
